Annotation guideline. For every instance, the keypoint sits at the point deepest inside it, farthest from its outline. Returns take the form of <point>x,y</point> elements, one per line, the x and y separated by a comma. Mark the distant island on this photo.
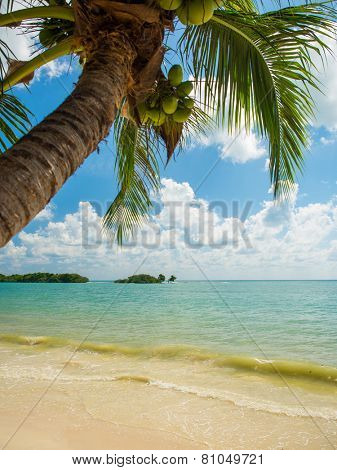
<point>44,277</point>
<point>145,279</point>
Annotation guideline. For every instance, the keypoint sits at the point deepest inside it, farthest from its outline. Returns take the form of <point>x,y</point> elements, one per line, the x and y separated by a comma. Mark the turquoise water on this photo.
<point>290,320</point>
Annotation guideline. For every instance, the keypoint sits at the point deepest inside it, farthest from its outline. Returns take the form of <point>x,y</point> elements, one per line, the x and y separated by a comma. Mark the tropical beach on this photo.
<point>168,230</point>
<point>147,368</point>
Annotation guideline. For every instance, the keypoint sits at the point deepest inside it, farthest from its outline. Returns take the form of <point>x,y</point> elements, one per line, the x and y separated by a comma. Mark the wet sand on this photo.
<point>115,402</point>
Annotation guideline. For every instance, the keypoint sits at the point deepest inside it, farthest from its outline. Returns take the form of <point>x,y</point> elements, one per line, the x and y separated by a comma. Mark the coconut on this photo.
<point>175,75</point>
<point>184,89</point>
<point>170,4</point>
<point>181,115</point>
<point>157,116</point>
<point>188,102</point>
<point>196,11</point>
<point>170,104</point>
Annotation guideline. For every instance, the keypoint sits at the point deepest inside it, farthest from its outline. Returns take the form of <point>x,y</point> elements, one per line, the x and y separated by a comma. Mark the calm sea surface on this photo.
<point>267,320</point>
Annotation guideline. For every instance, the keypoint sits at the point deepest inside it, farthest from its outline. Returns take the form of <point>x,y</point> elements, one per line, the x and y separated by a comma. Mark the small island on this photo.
<point>145,279</point>
<point>44,277</point>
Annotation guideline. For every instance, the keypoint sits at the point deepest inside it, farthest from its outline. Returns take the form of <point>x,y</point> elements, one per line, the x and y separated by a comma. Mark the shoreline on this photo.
<point>102,401</point>
<point>310,371</point>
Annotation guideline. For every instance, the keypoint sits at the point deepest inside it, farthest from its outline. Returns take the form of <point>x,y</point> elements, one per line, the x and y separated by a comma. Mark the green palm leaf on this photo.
<point>138,175</point>
<point>256,70</point>
<point>14,120</point>
<point>137,151</point>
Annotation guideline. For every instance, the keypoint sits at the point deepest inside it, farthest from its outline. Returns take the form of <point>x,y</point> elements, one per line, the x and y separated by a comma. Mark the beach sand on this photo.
<point>99,401</point>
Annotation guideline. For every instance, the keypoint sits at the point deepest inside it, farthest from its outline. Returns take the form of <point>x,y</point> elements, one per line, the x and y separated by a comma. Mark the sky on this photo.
<point>214,215</point>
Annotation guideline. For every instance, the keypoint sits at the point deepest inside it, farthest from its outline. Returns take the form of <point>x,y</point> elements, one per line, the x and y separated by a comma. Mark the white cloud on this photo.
<point>279,241</point>
<point>47,213</point>
<point>54,69</point>
<point>239,148</point>
<point>327,141</point>
<point>19,43</point>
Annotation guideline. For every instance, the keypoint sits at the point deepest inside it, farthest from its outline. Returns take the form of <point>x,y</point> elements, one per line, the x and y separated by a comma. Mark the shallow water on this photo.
<point>184,357</point>
<point>267,320</point>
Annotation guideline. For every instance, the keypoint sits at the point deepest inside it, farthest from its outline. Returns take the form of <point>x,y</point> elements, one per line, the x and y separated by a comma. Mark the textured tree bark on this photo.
<point>35,168</point>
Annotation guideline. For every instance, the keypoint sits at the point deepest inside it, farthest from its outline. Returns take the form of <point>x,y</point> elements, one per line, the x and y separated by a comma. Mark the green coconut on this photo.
<point>170,104</point>
<point>188,102</point>
<point>175,75</point>
<point>157,116</point>
<point>196,12</point>
<point>170,4</point>
<point>184,89</point>
<point>181,115</point>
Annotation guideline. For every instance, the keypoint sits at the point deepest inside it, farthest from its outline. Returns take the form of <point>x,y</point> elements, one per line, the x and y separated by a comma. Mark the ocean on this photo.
<point>258,346</point>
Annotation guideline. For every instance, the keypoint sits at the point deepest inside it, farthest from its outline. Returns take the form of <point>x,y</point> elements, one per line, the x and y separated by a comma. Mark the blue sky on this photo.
<point>293,240</point>
<point>228,181</point>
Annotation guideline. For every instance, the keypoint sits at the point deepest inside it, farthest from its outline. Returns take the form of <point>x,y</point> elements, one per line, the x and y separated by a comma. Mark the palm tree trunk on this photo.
<point>35,168</point>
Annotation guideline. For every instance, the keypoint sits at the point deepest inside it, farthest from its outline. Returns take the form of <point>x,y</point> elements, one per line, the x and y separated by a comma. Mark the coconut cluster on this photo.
<point>194,12</point>
<point>170,101</point>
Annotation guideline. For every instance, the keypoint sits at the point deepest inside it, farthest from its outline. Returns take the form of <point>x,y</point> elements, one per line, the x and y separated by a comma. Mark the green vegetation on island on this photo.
<point>44,277</point>
<point>145,279</point>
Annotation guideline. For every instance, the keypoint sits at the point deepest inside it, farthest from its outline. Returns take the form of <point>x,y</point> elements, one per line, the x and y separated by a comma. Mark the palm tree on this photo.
<point>250,69</point>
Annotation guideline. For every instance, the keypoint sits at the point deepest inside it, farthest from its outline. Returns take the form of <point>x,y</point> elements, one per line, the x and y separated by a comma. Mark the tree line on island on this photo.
<point>76,278</point>
<point>44,277</point>
<point>146,279</point>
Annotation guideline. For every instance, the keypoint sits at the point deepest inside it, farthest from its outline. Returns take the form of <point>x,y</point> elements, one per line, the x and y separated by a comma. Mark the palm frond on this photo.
<point>247,6</point>
<point>7,5</point>
<point>256,71</point>
<point>138,175</point>
<point>14,120</point>
<point>138,148</point>
<point>61,49</point>
<point>5,55</point>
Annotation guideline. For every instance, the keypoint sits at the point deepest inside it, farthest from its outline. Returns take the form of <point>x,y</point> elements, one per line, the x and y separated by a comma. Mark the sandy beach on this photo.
<point>115,402</point>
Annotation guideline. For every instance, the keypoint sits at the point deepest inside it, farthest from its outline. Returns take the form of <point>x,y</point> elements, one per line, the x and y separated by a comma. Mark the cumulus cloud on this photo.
<point>279,241</point>
<point>54,69</point>
<point>239,148</point>
<point>47,213</point>
<point>327,141</point>
<point>19,44</point>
